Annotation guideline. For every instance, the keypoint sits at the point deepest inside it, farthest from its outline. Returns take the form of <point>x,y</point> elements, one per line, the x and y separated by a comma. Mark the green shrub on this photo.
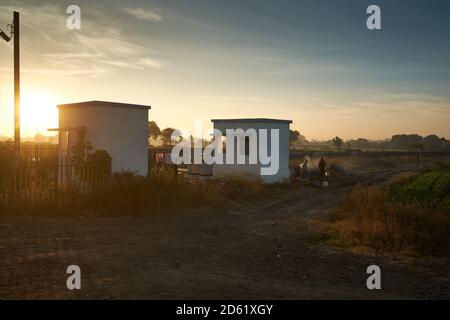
<point>429,189</point>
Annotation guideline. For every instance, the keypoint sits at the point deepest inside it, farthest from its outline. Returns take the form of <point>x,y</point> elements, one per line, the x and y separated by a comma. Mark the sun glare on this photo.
<point>38,113</point>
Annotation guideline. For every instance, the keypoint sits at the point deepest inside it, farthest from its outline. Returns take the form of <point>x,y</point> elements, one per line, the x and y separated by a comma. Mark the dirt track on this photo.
<point>248,250</point>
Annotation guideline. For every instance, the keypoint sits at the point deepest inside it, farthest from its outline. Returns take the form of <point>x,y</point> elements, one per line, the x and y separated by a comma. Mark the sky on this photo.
<point>312,61</point>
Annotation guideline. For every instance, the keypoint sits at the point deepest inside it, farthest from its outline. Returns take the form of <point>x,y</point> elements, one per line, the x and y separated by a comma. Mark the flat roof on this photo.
<point>96,103</point>
<point>252,120</point>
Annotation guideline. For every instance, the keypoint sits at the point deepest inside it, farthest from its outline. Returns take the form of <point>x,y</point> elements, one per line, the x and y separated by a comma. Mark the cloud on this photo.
<point>288,66</point>
<point>143,14</point>
<point>150,63</point>
<point>98,49</point>
<point>140,64</point>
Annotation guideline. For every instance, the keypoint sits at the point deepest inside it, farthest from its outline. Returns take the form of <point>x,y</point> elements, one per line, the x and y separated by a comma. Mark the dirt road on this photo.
<point>258,250</point>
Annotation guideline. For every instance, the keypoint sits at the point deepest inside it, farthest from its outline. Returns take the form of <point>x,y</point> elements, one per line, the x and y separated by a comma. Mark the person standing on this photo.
<point>304,172</point>
<point>322,165</point>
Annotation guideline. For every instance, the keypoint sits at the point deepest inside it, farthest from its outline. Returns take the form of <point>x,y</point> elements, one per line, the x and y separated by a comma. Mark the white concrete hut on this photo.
<point>283,173</point>
<point>118,128</point>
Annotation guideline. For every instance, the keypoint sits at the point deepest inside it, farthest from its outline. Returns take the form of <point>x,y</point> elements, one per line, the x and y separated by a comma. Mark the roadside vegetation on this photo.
<point>409,217</point>
<point>127,194</point>
<point>429,190</point>
<point>399,142</point>
<point>163,192</point>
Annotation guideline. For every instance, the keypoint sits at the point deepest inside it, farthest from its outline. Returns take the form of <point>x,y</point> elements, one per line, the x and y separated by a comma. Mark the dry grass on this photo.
<point>127,194</point>
<point>369,218</point>
<point>240,187</point>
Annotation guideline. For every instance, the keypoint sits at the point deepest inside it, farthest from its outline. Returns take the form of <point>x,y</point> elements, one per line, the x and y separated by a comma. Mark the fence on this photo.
<point>40,176</point>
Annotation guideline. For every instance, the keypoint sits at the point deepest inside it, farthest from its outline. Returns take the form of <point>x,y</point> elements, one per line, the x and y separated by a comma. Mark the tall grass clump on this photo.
<point>240,187</point>
<point>160,192</point>
<point>370,217</point>
<point>127,194</point>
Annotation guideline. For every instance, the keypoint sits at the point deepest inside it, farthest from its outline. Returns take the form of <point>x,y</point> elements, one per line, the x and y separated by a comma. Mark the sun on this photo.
<point>38,113</point>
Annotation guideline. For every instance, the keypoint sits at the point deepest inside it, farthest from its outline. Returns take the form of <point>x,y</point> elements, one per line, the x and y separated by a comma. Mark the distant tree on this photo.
<point>443,143</point>
<point>432,142</point>
<point>406,141</point>
<point>153,130</point>
<point>337,142</point>
<point>302,140</point>
<point>294,136</point>
<point>363,143</point>
<point>166,135</point>
<point>359,143</point>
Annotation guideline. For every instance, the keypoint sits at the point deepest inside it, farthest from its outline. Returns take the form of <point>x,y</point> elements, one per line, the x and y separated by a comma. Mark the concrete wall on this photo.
<point>254,169</point>
<point>121,131</point>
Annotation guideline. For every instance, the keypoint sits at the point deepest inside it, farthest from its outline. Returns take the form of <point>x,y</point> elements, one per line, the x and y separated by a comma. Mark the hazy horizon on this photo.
<point>313,62</point>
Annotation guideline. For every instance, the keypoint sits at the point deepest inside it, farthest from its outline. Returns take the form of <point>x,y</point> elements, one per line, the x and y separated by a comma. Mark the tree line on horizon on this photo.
<point>298,141</point>
<point>414,142</point>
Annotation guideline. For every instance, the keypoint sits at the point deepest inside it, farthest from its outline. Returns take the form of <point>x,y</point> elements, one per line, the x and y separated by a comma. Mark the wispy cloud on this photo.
<point>140,64</point>
<point>289,66</point>
<point>143,14</point>
<point>98,49</point>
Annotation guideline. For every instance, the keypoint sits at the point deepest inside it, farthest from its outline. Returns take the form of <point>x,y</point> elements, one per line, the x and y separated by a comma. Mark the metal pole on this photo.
<point>16,31</point>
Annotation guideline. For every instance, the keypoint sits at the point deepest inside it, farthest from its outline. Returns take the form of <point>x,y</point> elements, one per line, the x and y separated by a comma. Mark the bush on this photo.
<point>369,217</point>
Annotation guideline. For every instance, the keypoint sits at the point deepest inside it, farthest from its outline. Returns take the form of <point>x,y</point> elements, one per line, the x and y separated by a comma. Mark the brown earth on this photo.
<point>265,249</point>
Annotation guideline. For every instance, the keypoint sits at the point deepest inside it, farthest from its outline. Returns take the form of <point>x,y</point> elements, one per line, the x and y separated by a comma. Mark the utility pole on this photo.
<point>16,33</point>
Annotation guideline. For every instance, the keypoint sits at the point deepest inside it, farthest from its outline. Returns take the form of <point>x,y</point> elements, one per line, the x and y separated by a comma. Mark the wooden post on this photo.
<point>16,31</point>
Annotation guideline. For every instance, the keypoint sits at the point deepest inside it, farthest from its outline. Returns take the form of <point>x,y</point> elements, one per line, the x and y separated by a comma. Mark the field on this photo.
<point>271,246</point>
